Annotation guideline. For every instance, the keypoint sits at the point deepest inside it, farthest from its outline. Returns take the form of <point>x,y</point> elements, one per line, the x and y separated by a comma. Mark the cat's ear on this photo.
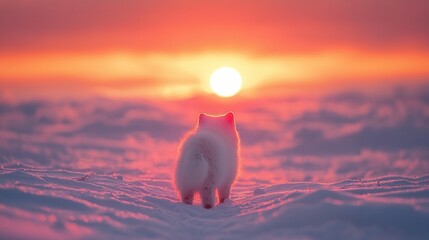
<point>201,118</point>
<point>230,117</point>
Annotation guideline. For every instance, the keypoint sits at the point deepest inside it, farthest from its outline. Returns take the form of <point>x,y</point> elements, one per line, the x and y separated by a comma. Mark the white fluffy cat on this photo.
<point>208,160</point>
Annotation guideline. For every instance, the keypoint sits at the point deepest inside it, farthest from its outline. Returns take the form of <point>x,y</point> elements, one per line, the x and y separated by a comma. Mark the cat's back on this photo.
<point>205,142</point>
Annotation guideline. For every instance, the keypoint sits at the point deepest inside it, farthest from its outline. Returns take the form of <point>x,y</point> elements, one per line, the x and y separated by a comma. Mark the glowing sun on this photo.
<point>225,82</point>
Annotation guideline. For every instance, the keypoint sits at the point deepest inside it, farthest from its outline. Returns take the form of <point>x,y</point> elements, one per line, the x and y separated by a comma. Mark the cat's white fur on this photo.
<point>208,160</point>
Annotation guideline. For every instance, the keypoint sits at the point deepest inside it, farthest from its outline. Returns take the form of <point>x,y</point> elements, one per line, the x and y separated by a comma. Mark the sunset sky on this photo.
<point>168,49</point>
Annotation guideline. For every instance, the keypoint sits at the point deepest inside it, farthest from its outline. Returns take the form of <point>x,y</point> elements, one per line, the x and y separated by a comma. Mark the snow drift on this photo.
<point>52,204</point>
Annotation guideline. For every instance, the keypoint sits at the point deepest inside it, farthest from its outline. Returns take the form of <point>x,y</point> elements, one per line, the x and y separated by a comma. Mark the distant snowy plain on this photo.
<point>59,204</point>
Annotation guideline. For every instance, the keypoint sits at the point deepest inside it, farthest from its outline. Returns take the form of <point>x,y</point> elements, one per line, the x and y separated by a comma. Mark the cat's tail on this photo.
<point>200,168</point>
<point>193,173</point>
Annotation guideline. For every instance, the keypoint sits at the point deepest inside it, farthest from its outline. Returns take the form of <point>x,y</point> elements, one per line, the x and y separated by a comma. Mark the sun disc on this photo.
<point>225,82</point>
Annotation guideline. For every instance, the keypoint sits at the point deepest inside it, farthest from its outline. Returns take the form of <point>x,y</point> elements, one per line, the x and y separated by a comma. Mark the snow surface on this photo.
<point>57,204</point>
<point>100,168</point>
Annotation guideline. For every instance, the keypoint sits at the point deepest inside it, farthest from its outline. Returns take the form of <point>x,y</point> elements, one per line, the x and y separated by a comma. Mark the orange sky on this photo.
<point>170,48</point>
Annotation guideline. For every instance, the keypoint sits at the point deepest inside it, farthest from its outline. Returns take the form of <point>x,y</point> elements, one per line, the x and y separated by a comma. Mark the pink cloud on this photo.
<point>272,27</point>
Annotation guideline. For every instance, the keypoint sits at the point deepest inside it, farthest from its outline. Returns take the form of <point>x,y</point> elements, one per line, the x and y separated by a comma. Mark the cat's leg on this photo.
<point>224,192</point>
<point>187,197</point>
<point>208,196</point>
